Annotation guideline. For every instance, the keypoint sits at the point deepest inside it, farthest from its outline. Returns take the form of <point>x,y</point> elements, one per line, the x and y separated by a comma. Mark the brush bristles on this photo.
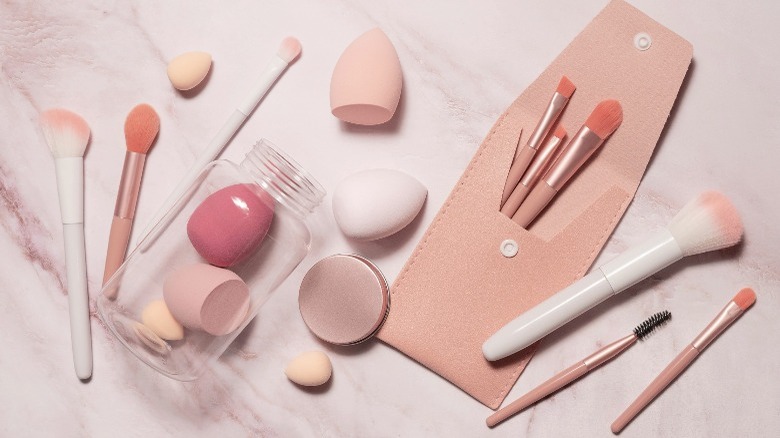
<point>66,133</point>
<point>707,223</point>
<point>560,132</point>
<point>745,298</point>
<point>566,87</point>
<point>290,49</point>
<point>605,118</point>
<point>651,323</point>
<point>141,127</point>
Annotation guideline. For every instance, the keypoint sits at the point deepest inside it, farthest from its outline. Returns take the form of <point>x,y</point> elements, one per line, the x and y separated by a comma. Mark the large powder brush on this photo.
<point>707,223</point>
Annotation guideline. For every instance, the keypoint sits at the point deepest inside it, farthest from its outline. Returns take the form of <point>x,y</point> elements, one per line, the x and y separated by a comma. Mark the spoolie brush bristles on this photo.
<point>566,87</point>
<point>745,298</point>
<point>651,323</point>
<point>66,133</point>
<point>605,118</point>
<point>290,49</point>
<point>141,127</point>
<point>560,132</point>
<point>707,223</point>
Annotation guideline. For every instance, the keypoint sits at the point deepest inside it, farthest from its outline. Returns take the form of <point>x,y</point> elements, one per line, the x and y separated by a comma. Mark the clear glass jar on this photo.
<point>267,172</point>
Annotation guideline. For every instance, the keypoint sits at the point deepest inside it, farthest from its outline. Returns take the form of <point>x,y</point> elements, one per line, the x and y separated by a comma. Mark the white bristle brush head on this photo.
<point>66,133</point>
<point>707,223</point>
<point>289,49</point>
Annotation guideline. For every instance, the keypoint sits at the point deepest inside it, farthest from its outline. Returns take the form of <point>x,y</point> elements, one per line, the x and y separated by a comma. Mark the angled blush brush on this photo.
<point>707,223</point>
<point>542,161</point>
<point>733,310</point>
<point>526,153</point>
<point>601,123</point>
<point>579,369</point>
<point>141,127</point>
<point>67,134</point>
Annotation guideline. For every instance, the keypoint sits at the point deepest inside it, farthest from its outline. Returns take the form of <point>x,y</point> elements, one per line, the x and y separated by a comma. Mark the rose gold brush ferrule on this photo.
<point>129,185</point>
<point>726,316</point>
<point>609,351</point>
<point>542,162</point>
<point>576,153</point>
<point>554,109</point>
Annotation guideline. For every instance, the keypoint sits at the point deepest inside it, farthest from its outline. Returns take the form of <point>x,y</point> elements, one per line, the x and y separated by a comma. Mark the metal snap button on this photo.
<point>509,248</point>
<point>643,41</point>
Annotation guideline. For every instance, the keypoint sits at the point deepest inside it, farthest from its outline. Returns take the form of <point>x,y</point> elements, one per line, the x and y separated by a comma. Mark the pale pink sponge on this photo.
<point>207,298</point>
<point>366,83</point>
<point>229,225</point>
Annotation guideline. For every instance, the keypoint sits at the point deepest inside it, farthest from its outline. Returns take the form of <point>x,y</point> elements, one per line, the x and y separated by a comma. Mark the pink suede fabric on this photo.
<point>457,288</point>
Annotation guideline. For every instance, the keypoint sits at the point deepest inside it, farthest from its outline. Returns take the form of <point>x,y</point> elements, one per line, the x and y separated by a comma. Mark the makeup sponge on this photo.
<point>230,224</point>
<point>187,70</point>
<point>373,204</point>
<point>310,369</point>
<point>157,318</point>
<point>207,298</point>
<point>366,84</point>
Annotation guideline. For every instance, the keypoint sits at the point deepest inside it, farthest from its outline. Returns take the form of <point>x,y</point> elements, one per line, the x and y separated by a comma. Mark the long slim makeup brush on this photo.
<point>579,369</point>
<point>288,51</point>
<point>542,161</point>
<point>524,156</point>
<point>67,134</point>
<point>603,121</point>
<point>707,223</point>
<point>733,310</point>
<point>141,127</point>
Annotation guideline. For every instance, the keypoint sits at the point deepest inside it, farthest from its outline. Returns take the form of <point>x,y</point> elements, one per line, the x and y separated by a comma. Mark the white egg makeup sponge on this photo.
<point>373,204</point>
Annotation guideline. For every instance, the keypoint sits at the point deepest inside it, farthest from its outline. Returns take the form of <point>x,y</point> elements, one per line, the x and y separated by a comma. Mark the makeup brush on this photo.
<point>733,310</point>
<point>288,51</point>
<point>523,156</point>
<point>141,127</point>
<point>540,164</point>
<point>603,121</point>
<point>707,223</point>
<point>67,134</point>
<point>579,369</point>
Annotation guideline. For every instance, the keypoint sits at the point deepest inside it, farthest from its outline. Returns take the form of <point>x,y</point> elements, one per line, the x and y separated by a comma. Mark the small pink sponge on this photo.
<point>204,297</point>
<point>229,225</point>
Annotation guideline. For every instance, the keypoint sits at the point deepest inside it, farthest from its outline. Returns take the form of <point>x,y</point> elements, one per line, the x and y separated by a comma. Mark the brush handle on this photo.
<point>70,188</point>
<point>552,385</point>
<point>515,199</point>
<point>519,166</point>
<point>78,299</point>
<point>535,202</point>
<point>657,252</point>
<point>117,246</point>
<point>677,366</point>
<point>270,74</point>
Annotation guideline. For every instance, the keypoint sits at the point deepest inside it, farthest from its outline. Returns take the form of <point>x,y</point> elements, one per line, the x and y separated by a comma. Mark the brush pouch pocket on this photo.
<point>463,282</point>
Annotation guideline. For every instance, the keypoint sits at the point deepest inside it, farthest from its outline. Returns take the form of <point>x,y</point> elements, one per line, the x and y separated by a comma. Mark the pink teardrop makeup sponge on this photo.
<point>207,298</point>
<point>230,225</point>
<point>366,84</point>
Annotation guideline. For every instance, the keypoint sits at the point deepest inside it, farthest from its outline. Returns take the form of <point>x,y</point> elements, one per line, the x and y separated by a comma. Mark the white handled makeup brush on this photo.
<point>141,127</point>
<point>288,51</point>
<point>67,135</point>
<point>707,223</point>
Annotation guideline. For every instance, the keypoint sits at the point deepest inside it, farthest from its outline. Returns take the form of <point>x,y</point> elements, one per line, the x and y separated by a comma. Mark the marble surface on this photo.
<point>463,63</point>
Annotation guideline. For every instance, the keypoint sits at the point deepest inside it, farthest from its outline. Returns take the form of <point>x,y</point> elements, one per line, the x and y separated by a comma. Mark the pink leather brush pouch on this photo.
<point>458,287</point>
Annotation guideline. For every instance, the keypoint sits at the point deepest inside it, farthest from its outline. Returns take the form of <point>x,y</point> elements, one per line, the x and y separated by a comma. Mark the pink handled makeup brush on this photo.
<point>67,135</point>
<point>141,127</point>
<point>601,123</point>
<point>542,161</point>
<point>733,310</point>
<point>524,156</point>
<point>579,369</point>
<point>707,223</point>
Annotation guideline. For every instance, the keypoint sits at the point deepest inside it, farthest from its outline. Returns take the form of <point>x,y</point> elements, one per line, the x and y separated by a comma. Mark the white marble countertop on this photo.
<point>463,63</point>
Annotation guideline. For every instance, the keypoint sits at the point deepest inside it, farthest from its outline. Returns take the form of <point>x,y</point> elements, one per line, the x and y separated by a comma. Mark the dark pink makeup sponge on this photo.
<point>229,225</point>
